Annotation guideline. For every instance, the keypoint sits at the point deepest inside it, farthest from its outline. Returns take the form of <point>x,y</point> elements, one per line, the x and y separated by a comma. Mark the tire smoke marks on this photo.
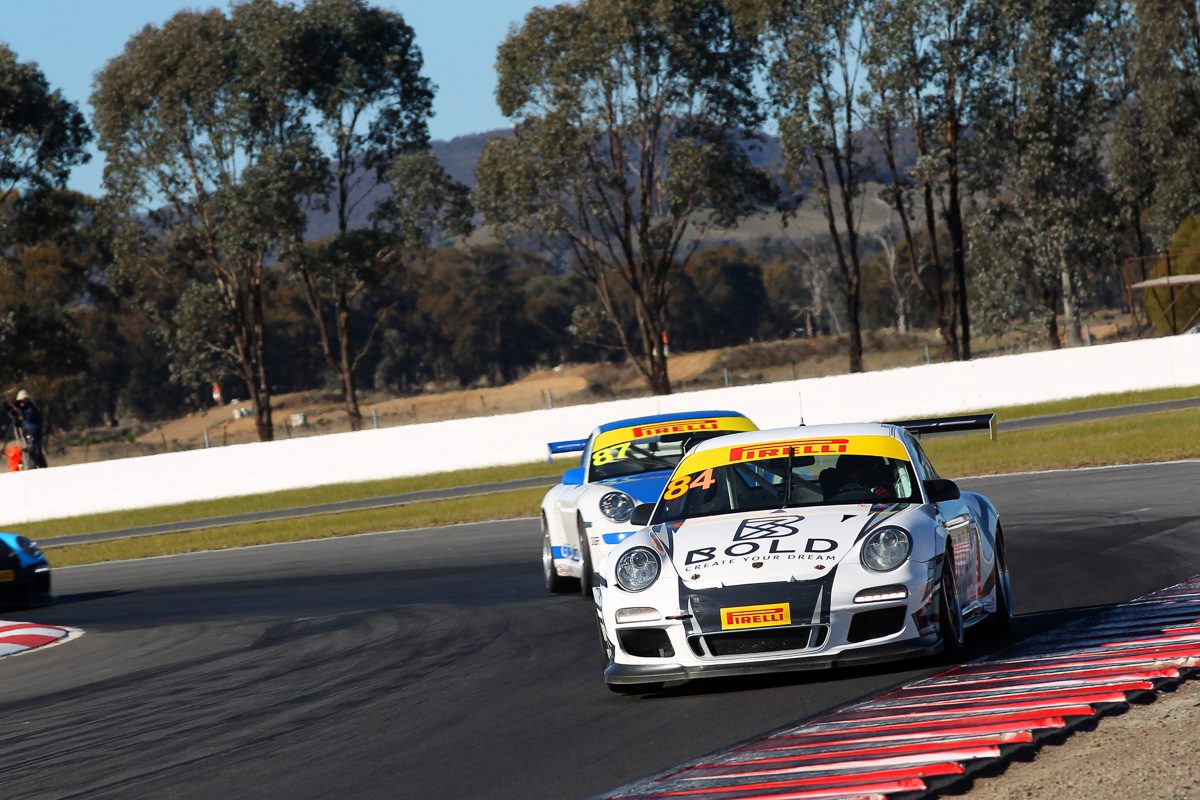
<point>930,733</point>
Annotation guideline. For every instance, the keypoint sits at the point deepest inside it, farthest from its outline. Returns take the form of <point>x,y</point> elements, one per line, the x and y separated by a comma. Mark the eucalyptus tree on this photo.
<point>357,73</point>
<point>901,64</point>
<point>1162,129</point>
<point>631,120</point>
<point>934,65</point>
<point>814,51</point>
<point>42,136</point>
<point>203,198</point>
<point>1049,226</point>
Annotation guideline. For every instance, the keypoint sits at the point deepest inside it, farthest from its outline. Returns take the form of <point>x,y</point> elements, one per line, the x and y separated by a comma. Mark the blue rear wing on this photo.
<point>569,446</point>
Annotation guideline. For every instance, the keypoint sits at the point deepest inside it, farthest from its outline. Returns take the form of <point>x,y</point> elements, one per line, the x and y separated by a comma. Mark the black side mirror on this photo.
<point>641,514</point>
<point>941,489</point>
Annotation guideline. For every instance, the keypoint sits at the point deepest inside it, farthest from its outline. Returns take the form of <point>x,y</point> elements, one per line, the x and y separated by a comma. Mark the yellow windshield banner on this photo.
<point>884,446</point>
<point>635,432</point>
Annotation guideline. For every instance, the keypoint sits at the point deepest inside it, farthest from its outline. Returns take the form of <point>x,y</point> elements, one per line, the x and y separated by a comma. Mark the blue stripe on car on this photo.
<point>617,538</point>
<point>644,488</point>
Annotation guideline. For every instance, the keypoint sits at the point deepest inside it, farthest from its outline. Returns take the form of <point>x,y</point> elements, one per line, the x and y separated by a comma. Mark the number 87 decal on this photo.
<point>602,457</point>
<point>682,485</point>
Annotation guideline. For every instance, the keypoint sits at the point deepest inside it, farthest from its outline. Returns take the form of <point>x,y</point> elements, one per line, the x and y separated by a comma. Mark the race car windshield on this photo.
<point>646,454</point>
<point>768,484</point>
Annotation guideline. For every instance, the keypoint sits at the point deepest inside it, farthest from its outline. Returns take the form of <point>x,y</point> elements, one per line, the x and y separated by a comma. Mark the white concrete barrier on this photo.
<point>985,383</point>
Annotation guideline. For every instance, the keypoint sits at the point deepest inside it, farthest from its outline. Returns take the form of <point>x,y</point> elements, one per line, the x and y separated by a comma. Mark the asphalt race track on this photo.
<point>432,664</point>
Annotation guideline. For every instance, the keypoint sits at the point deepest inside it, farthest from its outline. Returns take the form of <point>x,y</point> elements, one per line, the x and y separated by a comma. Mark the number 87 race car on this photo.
<point>623,463</point>
<point>801,548</point>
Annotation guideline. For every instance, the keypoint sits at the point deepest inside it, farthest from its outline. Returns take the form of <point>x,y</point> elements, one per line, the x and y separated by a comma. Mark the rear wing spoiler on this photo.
<point>968,422</point>
<point>569,446</point>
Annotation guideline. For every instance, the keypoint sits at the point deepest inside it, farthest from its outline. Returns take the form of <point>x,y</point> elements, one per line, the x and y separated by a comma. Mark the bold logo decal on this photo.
<point>682,426</point>
<point>756,616</point>
<point>766,528</point>
<point>801,447</point>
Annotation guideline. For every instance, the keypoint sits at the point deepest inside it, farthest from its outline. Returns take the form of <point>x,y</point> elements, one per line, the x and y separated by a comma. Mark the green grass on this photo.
<point>1094,402</point>
<point>1161,436</point>
<point>293,498</point>
<point>502,505</point>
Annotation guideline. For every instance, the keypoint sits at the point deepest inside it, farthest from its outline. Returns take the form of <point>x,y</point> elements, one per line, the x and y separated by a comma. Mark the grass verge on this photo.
<point>1161,436</point>
<point>502,505</point>
<point>293,498</point>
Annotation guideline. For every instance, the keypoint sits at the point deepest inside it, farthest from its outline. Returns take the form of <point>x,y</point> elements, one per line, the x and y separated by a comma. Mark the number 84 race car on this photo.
<point>624,463</point>
<point>800,548</point>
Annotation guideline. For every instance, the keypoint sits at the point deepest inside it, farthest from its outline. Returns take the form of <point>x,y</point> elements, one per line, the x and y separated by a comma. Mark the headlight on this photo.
<point>637,569</point>
<point>617,506</point>
<point>886,549</point>
<point>31,548</point>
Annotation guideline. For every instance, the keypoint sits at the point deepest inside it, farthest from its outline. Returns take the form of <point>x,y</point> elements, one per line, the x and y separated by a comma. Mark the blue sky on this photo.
<point>71,40</point>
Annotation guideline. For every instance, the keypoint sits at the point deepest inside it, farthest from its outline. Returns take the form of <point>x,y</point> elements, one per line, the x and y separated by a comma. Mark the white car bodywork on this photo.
<point>577,533</point>
<point>773,589</point>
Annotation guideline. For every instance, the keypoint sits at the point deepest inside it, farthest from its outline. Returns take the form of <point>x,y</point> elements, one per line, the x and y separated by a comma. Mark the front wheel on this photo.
<point>950,617</point>
<point>587,579</point>
<point>555,583</point>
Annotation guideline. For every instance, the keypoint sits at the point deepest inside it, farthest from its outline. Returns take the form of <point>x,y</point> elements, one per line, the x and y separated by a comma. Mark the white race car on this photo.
<point>624,463</point>
<point>801,548</point>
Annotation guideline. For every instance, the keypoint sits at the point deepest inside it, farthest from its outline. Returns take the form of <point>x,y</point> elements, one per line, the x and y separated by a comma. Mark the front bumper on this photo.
<point>681,645</point>
<point>618,673</point>
<point>29,586</point>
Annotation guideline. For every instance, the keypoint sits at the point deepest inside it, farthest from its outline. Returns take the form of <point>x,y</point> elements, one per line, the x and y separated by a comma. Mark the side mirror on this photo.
<point>641,514</point>
<point>574,477</point>
<point>940,489</point>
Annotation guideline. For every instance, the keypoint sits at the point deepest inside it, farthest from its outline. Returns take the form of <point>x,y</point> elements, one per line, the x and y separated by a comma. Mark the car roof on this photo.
<point>628,423</point>
<point>800,432</point>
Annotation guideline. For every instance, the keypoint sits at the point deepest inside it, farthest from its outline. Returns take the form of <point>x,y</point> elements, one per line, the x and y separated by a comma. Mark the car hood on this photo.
<point>794,544</point>
<point>645,487</point>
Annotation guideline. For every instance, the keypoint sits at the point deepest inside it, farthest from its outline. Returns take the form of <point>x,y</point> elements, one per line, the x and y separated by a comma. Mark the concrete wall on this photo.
<point>985,383</point>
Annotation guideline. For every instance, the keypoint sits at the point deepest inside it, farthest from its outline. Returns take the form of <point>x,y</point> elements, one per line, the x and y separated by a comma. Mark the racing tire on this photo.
<point>587,578</point>
<point>555,583</point>
<point>1001,620</point>
<point>950,617</point>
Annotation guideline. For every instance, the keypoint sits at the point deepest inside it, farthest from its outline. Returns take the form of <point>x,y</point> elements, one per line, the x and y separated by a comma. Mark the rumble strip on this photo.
<point>17,637</point>
<point>928,734</point>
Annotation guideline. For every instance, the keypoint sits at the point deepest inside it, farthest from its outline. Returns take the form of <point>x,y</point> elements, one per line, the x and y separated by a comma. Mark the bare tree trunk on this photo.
<point>260,387</point>
<point>1070,306</point>
<point>1050,315</point>
<point>346,360</point>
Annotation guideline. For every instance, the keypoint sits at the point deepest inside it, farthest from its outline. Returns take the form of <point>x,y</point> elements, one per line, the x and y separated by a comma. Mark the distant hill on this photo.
<point>460,156</point>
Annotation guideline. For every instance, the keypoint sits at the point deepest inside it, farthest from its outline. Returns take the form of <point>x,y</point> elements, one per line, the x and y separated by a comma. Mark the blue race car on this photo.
<point>24,572</point>
<point>624,463</point>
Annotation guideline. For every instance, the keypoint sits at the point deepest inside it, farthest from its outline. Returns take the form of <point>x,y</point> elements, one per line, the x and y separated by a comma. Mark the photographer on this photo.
<point>27,418</point>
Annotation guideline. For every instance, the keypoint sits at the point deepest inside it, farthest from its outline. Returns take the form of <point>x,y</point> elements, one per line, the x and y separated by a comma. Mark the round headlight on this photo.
<point>30,547</point>
<point>637,569</point>
<point>886,549</point>
<point>617,506</point>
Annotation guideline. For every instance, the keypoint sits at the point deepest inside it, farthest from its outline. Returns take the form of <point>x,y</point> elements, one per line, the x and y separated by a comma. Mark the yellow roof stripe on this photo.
<point>635,432</point>
<point>884,446</point>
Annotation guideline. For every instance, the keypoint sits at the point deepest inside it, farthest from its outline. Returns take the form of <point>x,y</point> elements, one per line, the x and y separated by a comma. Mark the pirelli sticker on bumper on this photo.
<point>756,616</point>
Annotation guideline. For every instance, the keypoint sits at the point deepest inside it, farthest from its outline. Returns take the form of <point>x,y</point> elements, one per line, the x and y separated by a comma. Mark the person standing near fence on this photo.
<point>29,417</point>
